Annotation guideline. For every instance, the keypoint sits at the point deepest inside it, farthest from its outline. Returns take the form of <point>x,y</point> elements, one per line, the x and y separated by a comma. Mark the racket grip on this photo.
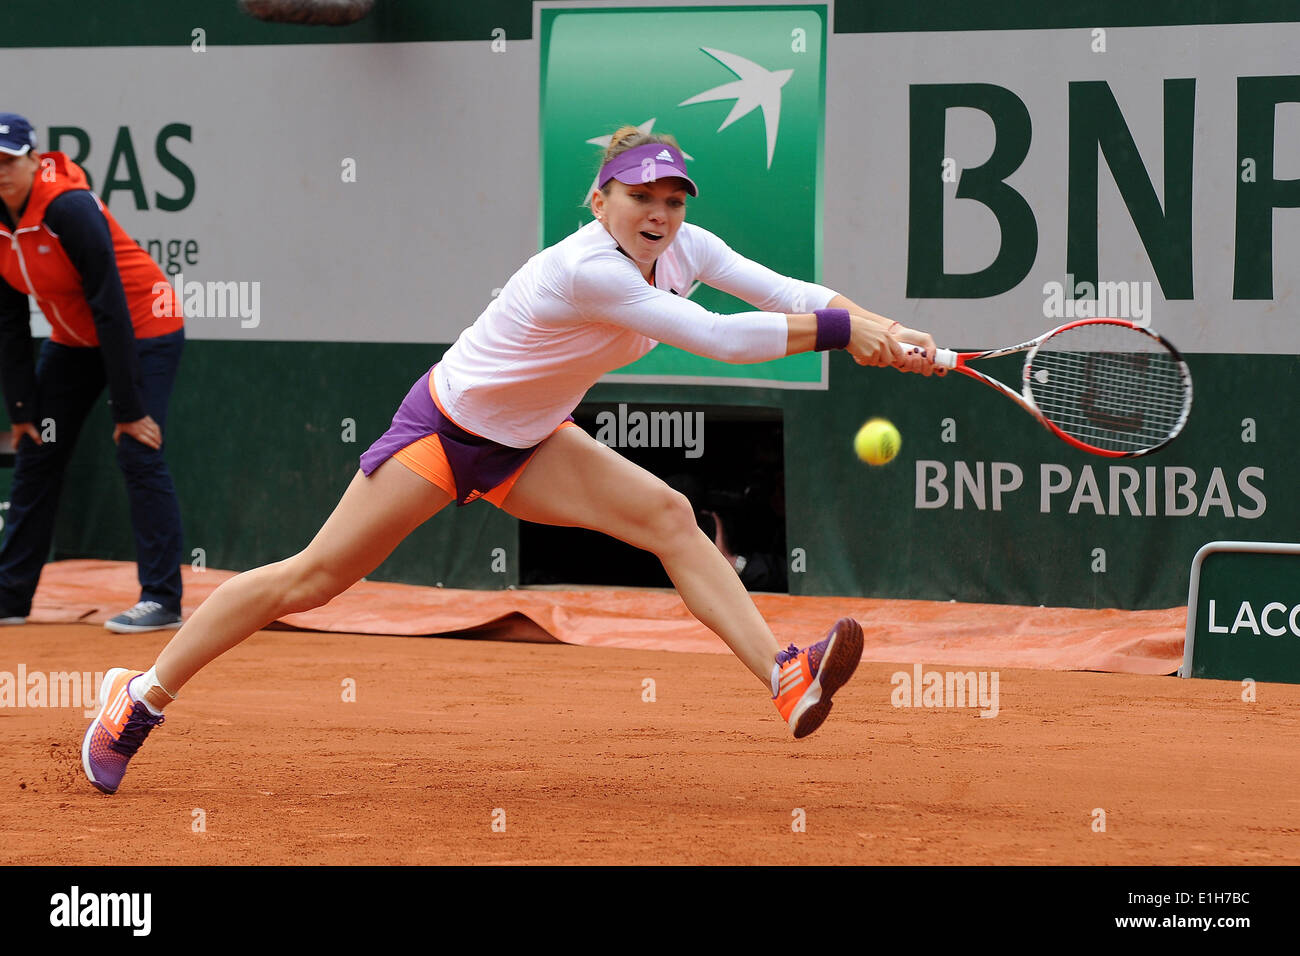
<point>945,358</point>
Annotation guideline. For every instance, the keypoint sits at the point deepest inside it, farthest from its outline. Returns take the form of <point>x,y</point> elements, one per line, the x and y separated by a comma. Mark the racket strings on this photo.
<point>1109,386</point>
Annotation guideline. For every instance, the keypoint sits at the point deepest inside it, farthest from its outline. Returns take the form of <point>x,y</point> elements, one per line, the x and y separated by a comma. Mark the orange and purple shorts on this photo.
<point>465,465</point>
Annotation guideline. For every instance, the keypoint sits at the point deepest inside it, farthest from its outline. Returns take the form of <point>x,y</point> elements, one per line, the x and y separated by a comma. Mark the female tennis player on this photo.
<point>492,420</point>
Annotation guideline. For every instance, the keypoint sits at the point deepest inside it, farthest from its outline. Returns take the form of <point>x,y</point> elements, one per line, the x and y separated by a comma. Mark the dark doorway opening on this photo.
<point>729,461</point>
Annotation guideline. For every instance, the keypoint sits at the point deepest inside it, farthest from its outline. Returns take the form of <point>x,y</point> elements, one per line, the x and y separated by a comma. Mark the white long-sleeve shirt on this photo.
<point>581,308</point>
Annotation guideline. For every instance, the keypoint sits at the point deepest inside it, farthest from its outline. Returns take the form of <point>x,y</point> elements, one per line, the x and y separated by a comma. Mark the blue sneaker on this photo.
<point>145,616</point>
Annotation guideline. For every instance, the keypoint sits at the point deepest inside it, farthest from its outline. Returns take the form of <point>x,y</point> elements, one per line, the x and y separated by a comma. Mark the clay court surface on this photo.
<point>444,732</point>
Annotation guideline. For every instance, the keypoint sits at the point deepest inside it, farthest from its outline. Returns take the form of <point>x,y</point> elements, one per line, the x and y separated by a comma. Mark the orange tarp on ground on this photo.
<point>928,632</point>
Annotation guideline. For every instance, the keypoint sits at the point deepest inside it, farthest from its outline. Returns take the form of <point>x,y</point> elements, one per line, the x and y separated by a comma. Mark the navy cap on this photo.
<point>16,134</point>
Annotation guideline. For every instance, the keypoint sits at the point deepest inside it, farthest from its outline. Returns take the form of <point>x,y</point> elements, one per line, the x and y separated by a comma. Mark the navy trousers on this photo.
<point>68,382</point>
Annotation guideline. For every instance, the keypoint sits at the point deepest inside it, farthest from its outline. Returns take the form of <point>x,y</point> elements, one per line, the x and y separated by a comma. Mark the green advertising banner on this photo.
<point>743,91</point>
<point>1244,612</point>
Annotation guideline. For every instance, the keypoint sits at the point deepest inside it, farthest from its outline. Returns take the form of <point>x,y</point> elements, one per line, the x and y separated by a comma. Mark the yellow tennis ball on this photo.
<point>877,442</point>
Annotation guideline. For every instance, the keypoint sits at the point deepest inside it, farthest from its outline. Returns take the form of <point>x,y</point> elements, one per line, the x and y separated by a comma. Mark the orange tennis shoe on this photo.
<point>806,679</point>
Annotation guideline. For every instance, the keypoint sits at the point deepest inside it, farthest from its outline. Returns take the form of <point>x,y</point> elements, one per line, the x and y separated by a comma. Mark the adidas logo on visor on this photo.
<point>665,155</point>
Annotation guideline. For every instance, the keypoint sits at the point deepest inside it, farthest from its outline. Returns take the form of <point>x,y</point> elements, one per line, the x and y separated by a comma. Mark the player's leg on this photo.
<point>373,517</point>
<point>576,481</point>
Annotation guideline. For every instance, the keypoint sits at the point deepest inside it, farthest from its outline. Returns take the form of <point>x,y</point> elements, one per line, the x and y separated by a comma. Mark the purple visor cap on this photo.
<point>646,164</point>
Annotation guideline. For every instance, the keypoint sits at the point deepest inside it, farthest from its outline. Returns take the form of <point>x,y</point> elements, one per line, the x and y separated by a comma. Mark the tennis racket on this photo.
<point>1105,386</point>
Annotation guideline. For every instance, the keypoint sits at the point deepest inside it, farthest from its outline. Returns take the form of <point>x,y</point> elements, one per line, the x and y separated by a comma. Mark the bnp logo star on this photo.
<point>757,88</point>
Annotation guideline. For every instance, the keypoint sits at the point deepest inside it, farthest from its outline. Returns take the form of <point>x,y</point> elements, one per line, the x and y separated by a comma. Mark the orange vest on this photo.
<point>32,260</point>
